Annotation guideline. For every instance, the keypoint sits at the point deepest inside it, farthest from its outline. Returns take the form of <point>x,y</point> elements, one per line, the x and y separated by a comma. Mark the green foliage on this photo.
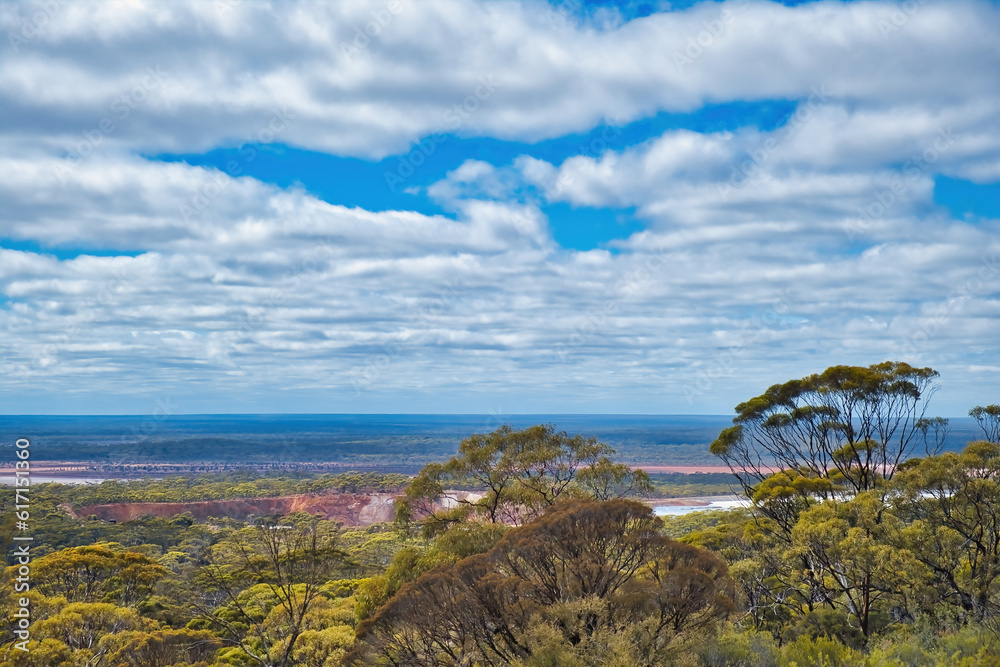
<point>857,422</point>
<point>828,623</point>
<point>988,418</point>
<point>818,572</point>
<point>848,548</point>
<point>520,474</point>
<point>852,570</point>
<point>38,653</point>
<point>99,573</point>
<point>468,539</point>
<point>734,647</point>
<point>820,652</point>
<point>53,529</point>
<point>240,484</point>
<point>323,648</point>
<point>82,624</point>
<point>455,543</point>
<point>372,548</point>
<point>685,485</point>
<point>938,642</point>
<point>950,504</point>
<point>585,583</point>
<point>272,580</point>
<point>546,641</point>
<point>695,522</point>
<point>159,648</point>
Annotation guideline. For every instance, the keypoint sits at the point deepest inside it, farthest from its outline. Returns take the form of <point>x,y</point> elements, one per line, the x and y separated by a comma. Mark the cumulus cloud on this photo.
<point>827,171</point>
<point>766,254</point>
<point>363,306</point>
<point>369,79</point>
<point>475,179</point>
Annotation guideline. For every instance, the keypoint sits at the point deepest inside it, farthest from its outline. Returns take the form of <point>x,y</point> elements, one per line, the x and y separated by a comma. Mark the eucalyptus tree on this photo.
<point>851,425</point>
<point>104,572</point>
<point>583,583</point>
<point>950,505</point>
<point>988,418</point>
<point>512,476</point>
<point>264,582</point>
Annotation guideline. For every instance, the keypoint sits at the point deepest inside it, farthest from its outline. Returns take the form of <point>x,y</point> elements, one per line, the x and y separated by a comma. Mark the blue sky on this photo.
<point>501,207</point>
<point>351,181</point>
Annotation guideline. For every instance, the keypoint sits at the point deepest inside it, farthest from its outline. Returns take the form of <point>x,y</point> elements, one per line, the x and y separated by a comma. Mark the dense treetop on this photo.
<point>862,546</point>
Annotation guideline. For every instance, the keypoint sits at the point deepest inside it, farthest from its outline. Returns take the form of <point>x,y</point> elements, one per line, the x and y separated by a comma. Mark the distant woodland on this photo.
<point>341,440</point>
<point>869,540</point>
<point>152,443</point>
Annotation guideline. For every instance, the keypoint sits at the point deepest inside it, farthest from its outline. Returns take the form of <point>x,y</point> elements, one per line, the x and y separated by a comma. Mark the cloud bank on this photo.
<point>764,254</point>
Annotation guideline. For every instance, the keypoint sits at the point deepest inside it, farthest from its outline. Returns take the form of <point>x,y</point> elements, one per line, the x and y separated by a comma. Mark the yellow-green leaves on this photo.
<point>989,420</point>
<point>860,422</point>
<point>98,573</point>
<point>509,476</point>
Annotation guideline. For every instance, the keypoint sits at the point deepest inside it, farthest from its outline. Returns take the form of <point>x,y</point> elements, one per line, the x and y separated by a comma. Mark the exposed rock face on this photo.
<point>350,509</point>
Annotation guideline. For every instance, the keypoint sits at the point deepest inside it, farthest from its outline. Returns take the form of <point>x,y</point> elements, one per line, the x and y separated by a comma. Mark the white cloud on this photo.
<point>365,306</point>
<point>829,171</point>
<point>244,292</point>
<point>226,69</point>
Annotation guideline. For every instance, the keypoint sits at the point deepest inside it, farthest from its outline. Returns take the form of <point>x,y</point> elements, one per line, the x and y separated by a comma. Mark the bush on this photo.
<point>829,623</point>
<point>740,648</point>
<point>820,652</point>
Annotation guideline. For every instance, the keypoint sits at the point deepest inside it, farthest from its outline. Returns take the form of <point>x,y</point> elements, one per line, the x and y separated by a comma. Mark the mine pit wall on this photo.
<point>349,509</point>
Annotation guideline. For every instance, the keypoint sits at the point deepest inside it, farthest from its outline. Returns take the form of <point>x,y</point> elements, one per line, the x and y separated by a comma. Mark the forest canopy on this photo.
<point>862,545</point>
